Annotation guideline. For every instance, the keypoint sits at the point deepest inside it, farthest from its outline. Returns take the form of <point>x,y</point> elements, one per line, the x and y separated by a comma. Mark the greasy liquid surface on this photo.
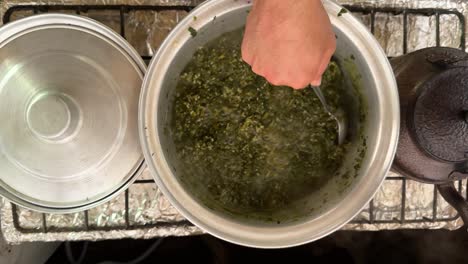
<point>244,145</point>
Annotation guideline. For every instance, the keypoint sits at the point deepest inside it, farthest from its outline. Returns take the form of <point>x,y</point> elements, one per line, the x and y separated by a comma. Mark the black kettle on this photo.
<point>433,143</point>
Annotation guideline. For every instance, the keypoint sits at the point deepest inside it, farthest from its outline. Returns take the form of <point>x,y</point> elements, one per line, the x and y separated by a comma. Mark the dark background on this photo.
<point>400,246</point>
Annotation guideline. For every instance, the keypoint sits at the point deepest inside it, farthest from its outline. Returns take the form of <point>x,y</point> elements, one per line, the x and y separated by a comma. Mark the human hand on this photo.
<point>289,42</point>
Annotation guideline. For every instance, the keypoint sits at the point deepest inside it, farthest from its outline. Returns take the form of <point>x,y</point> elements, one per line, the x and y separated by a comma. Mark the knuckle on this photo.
<point>303,83</point>
<point>256,69</point>
<point>331,48</point>
<point>246,56</point>
<point>297,86</point>
<point>300,81</point>
<point>274,81</point>
<point>295,83</point>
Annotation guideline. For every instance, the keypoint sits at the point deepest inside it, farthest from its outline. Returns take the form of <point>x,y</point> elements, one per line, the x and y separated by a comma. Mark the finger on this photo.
<point>317,77</point>
<point>256,67</point>
<point>325,60</point>
<point>247,48</point>
<point>301,80</point>
<point>287,81</point>
<point>299,86</point>
<point>281,76</point>
<point>292,75</point>
<point>313,75</point>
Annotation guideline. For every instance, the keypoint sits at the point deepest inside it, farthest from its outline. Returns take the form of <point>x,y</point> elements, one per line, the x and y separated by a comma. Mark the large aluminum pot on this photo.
<point>69,91</point>
<point>372,75</point>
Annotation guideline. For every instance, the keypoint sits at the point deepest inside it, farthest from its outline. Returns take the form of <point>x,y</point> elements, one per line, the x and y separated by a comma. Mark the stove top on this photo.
<point>142,211</point>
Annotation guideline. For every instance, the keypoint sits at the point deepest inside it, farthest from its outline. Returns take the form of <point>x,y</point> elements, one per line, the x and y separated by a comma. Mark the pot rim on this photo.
<point>42,21</point>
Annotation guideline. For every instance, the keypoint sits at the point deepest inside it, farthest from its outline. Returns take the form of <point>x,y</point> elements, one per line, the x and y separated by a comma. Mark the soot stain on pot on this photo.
<point>201,127</point>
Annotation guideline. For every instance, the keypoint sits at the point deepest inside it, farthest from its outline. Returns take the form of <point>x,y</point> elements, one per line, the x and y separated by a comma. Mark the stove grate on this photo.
<point>358,10</point>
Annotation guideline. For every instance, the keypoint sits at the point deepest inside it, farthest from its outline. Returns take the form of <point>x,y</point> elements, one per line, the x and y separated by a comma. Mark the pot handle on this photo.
<point>454,198</point>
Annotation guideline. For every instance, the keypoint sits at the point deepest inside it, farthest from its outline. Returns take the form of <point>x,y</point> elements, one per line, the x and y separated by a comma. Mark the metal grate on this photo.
<point>366,11</point>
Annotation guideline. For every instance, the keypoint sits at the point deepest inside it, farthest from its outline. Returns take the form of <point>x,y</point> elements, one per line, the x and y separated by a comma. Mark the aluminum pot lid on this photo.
<point>69,91</point>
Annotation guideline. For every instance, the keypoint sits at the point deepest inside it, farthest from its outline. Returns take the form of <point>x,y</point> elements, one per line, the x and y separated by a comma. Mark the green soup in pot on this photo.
<point>248,148</point>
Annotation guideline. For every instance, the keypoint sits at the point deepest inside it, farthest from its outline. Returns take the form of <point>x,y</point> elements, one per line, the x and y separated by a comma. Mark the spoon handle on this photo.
<point>321,97</point>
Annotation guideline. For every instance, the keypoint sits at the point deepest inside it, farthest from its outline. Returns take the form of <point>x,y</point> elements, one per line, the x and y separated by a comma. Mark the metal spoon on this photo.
<point>338,115</point>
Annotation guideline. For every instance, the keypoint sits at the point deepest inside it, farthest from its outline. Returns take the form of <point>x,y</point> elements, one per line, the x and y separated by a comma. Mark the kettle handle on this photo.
<point>446,59</point>
<point>454,198</point>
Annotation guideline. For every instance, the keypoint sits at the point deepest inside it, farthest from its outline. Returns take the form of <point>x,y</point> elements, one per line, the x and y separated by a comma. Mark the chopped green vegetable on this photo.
<point>246,145</point>
<point>342,11</point>
<point>194,18</point>
<point>192,31</point>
